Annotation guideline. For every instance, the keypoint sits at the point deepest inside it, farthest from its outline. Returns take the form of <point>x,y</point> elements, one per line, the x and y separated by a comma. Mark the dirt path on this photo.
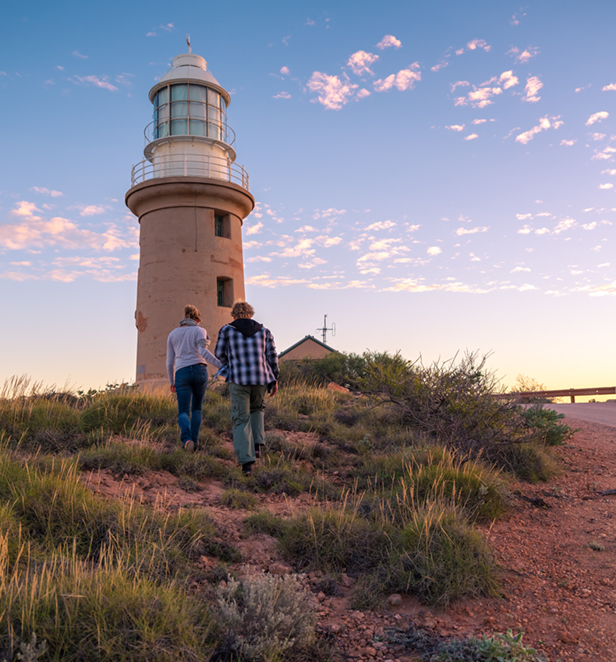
<point>556,548</point>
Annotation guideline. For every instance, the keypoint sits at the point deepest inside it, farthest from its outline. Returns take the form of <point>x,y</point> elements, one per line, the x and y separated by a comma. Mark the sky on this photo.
<point>436,177</point>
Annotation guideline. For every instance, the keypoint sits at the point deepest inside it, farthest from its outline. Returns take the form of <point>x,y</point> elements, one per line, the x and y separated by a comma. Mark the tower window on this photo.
<point>224,292</point>
<point>222,226</point>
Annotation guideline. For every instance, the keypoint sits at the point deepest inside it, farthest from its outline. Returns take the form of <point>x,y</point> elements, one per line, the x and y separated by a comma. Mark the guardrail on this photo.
<point>189,165</point>
<point>527,396</point>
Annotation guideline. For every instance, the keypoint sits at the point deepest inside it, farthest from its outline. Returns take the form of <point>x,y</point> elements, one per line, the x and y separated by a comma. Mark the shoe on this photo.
<point>189,446</point>
<point>247,468</point>
<point>258,451</point>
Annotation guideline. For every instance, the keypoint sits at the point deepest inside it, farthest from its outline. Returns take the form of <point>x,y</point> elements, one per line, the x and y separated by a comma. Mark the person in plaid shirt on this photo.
<point>249,360</point>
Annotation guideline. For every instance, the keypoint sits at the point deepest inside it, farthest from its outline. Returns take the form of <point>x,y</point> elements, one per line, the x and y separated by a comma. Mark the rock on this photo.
<point>346,581</point>
<point>567,637</point>
<point>332,386</point>
<point>280,569</point>
<point>394,599</point>
<point>321,596</point>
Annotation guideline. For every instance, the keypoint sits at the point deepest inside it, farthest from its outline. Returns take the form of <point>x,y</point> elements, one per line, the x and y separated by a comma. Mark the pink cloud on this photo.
<point>544,124</point>
<point>389,41</point>
<point>332,92</point>
<point>533,85</point>
<point>405,79</point>
<point>360,63</point>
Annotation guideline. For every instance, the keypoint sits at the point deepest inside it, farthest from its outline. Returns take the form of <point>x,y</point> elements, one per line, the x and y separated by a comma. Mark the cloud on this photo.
<point>150,34</point>
<point>472,136</point>
<point>523,217</point>
<point>459,83</point>
<point>362,94</point>
<point>360,63</point>
<point>609,88</point>
<point>606,187</point>
<point>389,41</point>
<point>328,213</point>
<point>282,95</point>
<point>284,71</point>
<point>568,143</point>
<point>518,269</point>
<point>310,22</point>
<point>564,225</point>
<point>508,79</point>
<point>332,92</point>
<point>515,19</point>
<point>254,229</point>
<point>405,79</point>
<point>544,124</point>
<point>597,136</point>
<point>265,280</point>
<point>523,56</point>
<point>92,210</point>
<point>480,121</point>
<point>46,191</point>
<point>80,56</point>
<point>102,82</point>
<point>608,172</point>
<point>606,155</point>
<point>478,44</point>
<point>475,230</point>
<point>482,97</point>
<point>32,231</point>
<point>533,85</point>
<point>455,127</point>
<point>168,27</point>
<point>434,250</point>
<point>381,225</point>
<point>259,258</point>
<point>597,117</point>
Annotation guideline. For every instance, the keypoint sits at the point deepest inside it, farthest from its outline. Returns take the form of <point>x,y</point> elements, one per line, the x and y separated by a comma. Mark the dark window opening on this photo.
<point>224,292</point>
<point>222,225</point>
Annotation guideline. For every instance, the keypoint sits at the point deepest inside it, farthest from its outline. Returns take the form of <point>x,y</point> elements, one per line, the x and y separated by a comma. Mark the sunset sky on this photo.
<point>436,177</point>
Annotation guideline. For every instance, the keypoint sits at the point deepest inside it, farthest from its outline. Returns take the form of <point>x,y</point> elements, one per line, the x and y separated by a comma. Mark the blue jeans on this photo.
<point>190,385</point>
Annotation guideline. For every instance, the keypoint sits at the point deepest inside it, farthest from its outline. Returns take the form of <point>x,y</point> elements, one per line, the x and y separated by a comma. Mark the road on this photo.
<point>595,412</point>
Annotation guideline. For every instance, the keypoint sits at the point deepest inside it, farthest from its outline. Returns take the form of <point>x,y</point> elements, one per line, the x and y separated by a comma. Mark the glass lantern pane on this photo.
<point>197,93</point>
<point>179,92</point>
<point>179,127</point>
<point>162,131</point>
<point>197,110</point>
<point>162,97</point>
<point>213,98</point>
<point>197,128</point>
<point>179,109</point>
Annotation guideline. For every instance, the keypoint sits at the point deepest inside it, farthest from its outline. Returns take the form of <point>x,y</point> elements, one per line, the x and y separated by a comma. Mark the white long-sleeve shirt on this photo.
<point>187,345</point>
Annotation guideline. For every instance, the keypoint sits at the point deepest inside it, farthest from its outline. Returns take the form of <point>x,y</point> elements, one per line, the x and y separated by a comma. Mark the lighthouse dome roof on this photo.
<point>189,68</point>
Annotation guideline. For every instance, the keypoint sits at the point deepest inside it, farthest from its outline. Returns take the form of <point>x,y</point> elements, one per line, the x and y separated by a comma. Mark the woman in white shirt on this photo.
<point>187,354</point>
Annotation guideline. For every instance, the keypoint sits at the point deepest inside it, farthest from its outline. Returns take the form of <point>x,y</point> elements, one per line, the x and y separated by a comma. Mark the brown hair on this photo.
<point>242,309</point>
<point>192,312</point>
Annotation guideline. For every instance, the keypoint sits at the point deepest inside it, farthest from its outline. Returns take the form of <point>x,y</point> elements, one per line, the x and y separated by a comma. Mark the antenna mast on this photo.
<point>324,330</point>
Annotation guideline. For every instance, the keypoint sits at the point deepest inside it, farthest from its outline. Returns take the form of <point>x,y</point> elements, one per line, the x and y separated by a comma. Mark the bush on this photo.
<point>86,612</point>
<point>335,540</point>
<point>263,616</point>
<point>235,498</point>
<point>546,423</point>
<point>444,558</point>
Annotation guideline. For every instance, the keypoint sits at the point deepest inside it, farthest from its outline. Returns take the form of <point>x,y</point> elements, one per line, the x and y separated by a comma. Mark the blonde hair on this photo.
<point>242,309</point>
<point>192,312</point>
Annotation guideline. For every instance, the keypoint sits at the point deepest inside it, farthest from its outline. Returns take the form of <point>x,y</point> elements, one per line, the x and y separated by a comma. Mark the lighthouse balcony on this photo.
<point>189,165</point>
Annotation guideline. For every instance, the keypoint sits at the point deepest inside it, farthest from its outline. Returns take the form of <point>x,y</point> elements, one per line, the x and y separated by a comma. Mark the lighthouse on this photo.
<point>191,199</point>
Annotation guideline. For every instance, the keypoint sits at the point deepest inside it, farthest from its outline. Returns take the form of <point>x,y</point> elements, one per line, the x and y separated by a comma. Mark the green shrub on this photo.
<point>527,461</point>
<point>235,498</point>
<point>335,540</point>
<point>265,522</point>
<point>443,558</point>
<point>261,617</point>
<point>84,612</point>
<point>546,424</point>
<point>120,412</point>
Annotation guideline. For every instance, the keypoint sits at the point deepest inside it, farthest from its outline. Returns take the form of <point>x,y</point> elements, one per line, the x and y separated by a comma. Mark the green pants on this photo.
<point>247,414</point>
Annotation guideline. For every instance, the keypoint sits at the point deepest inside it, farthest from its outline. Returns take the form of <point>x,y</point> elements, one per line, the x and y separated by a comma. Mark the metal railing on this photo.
<point>528,396</point>
<point>189,165</point>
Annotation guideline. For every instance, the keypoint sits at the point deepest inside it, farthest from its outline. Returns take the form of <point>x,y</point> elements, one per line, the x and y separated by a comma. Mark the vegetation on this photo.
<point>398,474</point>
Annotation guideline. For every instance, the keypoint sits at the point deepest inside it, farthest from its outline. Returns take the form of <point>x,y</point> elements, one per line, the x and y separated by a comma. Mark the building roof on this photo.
<point>303,340</point>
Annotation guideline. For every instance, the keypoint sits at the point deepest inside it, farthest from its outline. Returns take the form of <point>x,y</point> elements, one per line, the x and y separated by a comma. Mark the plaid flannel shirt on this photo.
<point>248,360</point>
